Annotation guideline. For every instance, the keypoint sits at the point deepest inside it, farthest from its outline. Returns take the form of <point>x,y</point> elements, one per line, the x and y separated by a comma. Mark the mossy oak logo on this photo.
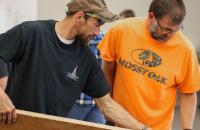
<point>146,57</point>
<point>142,59</point>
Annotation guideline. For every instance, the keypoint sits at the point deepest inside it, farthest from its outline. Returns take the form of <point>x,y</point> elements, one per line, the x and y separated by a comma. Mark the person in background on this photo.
<point>52,64</point>
<point>147,60</point>
<point>85,108</point>
<point>127,13</point>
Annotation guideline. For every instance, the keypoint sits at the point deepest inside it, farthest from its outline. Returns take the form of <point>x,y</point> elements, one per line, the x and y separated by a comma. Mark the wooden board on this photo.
<point>36,121</point>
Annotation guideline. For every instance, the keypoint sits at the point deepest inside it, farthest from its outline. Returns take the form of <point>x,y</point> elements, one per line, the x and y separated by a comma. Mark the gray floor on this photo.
<point>176,125</point>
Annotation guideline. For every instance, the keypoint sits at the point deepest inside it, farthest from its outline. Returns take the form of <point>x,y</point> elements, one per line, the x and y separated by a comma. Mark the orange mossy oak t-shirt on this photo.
<point>149,73</point>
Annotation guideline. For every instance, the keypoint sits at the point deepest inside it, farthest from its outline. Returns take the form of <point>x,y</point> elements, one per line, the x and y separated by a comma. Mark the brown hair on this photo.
<point>174,8</point>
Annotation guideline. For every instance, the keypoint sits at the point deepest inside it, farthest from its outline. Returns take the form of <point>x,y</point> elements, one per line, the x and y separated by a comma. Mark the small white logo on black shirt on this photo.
<point>73,74</point>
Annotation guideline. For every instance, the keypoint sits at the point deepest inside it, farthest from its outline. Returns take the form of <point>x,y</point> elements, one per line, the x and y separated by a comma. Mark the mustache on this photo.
<point>159,37</point>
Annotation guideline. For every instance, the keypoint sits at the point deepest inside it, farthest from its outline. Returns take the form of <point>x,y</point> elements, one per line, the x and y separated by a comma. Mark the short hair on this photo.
<point>174,8</point>
<point>127,13</point>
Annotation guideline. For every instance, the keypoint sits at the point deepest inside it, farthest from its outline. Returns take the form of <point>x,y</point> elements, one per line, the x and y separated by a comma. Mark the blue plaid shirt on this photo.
<point>84,99</point>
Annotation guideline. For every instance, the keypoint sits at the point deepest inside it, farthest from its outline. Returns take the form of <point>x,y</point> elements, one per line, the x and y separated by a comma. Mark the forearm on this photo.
<point>122,118</point>
<point>187,110</point>
<point>3,82</point>
<point>116,113</point>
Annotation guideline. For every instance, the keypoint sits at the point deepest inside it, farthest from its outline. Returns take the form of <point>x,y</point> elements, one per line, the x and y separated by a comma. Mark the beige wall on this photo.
<point>192,21</point>
<point>55,9</point>
<point>13,12</point>
<point>51,9</point>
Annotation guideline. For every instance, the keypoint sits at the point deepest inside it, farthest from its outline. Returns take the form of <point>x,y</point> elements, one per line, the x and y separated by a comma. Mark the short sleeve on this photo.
<point>109,47</point>
<point>96,84</point>
<point>11,44</point>
<point>191,81</point>
<point>3,69</point>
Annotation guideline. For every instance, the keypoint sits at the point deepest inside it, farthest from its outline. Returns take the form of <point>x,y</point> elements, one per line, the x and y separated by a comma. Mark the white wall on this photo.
<point>192,21</point>
<point>13,12</point>
<point>55,9</point>
<point>52,9</point>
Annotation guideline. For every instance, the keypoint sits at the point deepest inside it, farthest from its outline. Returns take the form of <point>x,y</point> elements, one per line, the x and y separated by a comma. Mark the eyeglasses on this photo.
<point>168,30</point>
<point>99,21</point>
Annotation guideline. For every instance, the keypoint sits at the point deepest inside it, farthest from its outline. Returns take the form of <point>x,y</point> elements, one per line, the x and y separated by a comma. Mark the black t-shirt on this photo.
<point>47,76</point>
<point>3,69</point>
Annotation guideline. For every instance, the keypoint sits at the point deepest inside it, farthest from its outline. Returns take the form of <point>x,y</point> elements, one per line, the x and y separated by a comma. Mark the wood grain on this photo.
<point>36,121</point>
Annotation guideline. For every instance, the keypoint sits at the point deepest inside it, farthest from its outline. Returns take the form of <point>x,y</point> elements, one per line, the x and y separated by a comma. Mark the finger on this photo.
<point>1,117</point>
<point>14,116</point>
<point>9,118</point>
<point>4,118</point>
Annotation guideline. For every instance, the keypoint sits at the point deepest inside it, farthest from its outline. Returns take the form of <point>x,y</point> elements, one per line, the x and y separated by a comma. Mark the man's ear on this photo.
<point>79,17</point>
<point>150,16</point>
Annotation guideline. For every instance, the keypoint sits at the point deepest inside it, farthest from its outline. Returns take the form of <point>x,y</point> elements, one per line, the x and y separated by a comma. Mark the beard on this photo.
<point>85,38</point>
<point>155,35</point>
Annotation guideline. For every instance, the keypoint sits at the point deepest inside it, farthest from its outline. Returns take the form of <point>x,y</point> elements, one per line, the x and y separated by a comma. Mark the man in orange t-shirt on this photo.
<point>147,60</point>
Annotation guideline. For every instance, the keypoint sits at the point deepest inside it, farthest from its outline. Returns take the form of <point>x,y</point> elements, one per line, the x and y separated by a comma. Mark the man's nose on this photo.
<point>97,30</point>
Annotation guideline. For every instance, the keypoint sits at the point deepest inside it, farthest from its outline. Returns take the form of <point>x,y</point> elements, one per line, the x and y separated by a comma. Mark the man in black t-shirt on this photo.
<point>52,65</point>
